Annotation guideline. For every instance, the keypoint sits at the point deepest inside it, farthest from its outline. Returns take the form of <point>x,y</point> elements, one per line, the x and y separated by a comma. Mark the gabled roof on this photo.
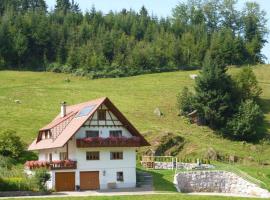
<point>65,127</point>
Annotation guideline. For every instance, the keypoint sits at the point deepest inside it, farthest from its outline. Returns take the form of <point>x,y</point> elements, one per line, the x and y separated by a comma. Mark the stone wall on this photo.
<point>217,181</point>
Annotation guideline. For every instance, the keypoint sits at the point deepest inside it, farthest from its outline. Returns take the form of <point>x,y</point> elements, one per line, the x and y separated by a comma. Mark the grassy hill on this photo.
<point>137,97</point>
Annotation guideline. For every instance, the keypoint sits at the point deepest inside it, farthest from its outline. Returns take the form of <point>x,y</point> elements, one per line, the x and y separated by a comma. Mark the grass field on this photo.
<point>40,94</point>
<point>150,197</point>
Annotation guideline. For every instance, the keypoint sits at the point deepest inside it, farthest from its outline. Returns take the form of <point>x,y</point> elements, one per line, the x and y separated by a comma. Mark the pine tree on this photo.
<point>213,99</point>
<point>62,6</point>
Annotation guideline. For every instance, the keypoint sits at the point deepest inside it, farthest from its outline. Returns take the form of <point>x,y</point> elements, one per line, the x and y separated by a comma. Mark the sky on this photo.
<point>158,8</point>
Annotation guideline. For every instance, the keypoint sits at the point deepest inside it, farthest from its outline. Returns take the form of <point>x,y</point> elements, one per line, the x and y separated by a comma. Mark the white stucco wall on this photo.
<point>107,168</point>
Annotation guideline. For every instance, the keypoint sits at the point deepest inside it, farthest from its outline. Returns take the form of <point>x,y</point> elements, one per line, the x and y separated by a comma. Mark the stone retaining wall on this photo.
<point>217,181</point>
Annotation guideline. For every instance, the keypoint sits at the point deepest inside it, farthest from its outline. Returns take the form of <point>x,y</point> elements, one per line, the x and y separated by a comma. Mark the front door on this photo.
<point>89,180</point>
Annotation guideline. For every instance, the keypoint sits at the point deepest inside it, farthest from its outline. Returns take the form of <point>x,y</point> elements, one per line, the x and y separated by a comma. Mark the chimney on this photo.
<point>63,109</point>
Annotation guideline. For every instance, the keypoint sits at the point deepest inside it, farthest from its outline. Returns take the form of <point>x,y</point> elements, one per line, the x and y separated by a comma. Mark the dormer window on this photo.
<point>47,135</point>
<point>101,114</point>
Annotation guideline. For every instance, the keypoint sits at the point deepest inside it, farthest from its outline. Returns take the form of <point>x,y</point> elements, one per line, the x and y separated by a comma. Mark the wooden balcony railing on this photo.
<point>108,142</point>
<point>52,165</point>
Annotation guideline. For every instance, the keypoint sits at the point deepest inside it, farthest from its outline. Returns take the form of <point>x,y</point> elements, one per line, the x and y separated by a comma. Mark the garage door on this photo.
<point>89,180</point>
<point>65,181</point>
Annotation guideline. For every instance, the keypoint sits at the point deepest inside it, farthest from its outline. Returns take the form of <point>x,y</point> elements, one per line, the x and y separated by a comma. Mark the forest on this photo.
<point>94,44</point>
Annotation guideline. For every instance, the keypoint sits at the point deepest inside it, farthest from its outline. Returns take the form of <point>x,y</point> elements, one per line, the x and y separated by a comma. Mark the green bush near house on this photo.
<point>16,184</point>
<point>10,144</point>
<point>41,177</point>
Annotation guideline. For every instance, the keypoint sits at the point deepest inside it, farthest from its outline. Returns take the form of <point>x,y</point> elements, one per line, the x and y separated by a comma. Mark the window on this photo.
<point>46,134</point>
<point>63,155</point>
<point>101,114</point>
<point>120,176</point>
<point>50,134</point>
<point>50,157</point>
<point>116,155</point>
<point>91,133</point>
<point>116,133</point>
<point>92,155</point>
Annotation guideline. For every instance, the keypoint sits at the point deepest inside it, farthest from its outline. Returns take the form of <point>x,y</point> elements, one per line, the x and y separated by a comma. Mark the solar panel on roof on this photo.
<point>85,111</point>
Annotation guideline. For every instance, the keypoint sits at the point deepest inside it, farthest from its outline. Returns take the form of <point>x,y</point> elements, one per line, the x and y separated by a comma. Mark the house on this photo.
<point>88,146</point>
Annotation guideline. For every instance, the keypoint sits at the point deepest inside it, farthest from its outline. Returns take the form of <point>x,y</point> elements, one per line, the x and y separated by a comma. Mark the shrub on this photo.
<point>184,101</point>
<point>245,123</point>
<point>247,84</point>
<point>41,177</point>
<point>10,144</point>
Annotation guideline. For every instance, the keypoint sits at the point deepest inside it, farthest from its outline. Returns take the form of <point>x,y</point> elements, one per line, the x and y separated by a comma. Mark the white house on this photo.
<point>88,146</point>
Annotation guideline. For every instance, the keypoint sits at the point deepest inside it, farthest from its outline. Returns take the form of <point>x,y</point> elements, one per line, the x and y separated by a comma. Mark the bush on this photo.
<point>6,162</point>
<point>184,101</point>
<point>41,177</point>
<point>247,84</point>
<point>11,144</point>
<point>14,184</point>
<point>245,123</point>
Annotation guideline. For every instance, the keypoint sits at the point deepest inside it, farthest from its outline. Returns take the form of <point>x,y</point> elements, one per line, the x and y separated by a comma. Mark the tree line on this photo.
<point>125,43</point>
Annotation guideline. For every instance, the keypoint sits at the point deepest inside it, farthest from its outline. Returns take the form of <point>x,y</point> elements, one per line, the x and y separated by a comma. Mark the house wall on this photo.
<point>107,168</point>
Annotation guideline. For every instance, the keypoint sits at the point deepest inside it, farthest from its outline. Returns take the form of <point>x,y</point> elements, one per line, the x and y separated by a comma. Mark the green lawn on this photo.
<point>260,175</point>
<point>151,197</point>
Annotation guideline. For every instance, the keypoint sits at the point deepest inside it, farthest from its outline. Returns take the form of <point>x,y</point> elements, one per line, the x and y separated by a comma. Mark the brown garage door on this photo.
<point>89,180</point>
<point>65,181</point>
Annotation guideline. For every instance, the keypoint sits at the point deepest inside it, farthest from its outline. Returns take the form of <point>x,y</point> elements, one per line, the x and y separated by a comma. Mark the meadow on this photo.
<point>40,94</point>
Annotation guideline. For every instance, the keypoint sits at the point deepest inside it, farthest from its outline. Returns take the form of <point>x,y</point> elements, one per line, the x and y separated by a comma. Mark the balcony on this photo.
<point>108,142</point>
<point>51,165</point>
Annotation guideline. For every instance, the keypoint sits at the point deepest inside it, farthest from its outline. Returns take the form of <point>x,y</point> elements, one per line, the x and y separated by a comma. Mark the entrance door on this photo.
<point>65,181</point>
<point>89,180</point>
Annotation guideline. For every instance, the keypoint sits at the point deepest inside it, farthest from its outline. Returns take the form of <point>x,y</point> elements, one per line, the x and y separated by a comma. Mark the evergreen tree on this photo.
<point>213,99</point>
<point>62,6</point>
<point>254,26</point>
<point>247,85</point>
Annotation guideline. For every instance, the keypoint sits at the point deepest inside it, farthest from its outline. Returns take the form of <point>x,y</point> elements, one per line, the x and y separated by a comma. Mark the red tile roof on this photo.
<point>63,128</point>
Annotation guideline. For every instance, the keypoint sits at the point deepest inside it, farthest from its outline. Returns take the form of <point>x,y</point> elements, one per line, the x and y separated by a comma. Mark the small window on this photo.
<point>50,134</point>
<point>46,134</point>
<point>50,157</point>
<point>63,155</point>
<point>116,133</point>
<point>116,155</point>
<point>91,133</point>
<point>120,176</point>
<point>101,114</point>
<point>92,155</point>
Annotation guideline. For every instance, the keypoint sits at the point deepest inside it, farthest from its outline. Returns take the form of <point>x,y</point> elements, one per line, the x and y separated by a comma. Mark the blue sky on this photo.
<point>156,7</point>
